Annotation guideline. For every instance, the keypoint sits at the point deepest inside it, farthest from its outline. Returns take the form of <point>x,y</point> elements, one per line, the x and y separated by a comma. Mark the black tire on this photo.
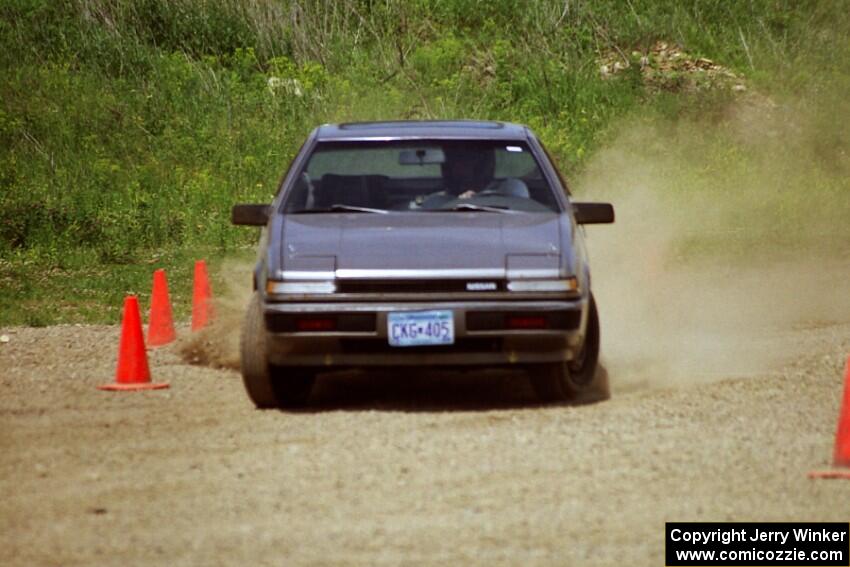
<point>253,358</point>
<point>578,381</point>
<point>268,386</point>
<point>292,385</point>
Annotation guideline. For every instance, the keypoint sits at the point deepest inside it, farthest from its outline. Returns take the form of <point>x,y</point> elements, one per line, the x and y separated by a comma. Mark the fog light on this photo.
<point>527,322</point>
<point>315,324</point>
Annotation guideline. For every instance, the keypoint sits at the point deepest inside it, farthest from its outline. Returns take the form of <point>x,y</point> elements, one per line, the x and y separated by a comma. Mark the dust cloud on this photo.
<point>731,238</point>
<point>217,345</point>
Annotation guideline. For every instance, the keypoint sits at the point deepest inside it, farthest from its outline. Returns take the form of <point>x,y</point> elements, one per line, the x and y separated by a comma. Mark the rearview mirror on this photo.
<point>593,213</point>
<point>250,215</point>
<point>421,156</point>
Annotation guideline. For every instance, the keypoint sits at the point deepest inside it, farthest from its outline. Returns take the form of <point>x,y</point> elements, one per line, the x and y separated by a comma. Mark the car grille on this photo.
<point>420,286</point>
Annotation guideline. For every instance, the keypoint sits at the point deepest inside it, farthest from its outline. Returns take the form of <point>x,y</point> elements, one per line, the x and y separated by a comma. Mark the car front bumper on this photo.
<point>363,340</point>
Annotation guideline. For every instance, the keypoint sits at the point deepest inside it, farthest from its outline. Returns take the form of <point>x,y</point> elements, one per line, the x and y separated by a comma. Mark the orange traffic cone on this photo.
<point>160,323</point>
<point>841,457</point>
<point>202,309</point>
<point>132,372</point>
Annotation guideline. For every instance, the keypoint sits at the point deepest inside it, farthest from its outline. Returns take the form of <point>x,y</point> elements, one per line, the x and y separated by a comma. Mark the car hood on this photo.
<point>408,244</point>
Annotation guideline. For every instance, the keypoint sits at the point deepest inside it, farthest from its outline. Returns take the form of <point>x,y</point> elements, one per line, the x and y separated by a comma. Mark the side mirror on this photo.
<point>594,213</point>
<point>250,215</point>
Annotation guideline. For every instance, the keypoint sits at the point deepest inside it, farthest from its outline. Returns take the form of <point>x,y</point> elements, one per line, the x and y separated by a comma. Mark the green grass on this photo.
<point>129,128</point>
<point>83,290</point>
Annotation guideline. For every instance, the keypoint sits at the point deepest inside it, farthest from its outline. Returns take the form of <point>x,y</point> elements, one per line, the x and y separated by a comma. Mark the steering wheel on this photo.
<point>508,187</point>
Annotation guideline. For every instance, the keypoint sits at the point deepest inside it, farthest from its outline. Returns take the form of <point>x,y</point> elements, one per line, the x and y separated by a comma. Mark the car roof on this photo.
<point>422,129</point>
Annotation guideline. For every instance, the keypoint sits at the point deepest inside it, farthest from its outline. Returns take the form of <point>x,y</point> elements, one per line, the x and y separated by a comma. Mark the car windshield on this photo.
<point>421,176</point>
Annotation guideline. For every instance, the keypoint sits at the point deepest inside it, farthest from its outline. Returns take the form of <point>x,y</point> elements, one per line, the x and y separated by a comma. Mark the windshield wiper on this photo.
<point>339,208</point>
<point>474,207</point>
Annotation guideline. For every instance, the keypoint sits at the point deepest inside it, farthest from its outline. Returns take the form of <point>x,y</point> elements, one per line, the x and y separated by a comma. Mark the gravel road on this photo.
<point>387,469</point>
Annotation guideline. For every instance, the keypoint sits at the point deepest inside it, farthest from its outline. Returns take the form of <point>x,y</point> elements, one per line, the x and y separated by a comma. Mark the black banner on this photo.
<point>753,543</point>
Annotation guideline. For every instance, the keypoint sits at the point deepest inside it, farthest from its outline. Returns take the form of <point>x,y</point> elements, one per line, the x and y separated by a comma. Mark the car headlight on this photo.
<point>301,288</point>
<point>566,285</point>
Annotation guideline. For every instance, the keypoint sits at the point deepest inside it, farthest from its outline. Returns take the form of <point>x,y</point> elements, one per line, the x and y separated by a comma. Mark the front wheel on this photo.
<point>269,386</point>
<point>580,380</point>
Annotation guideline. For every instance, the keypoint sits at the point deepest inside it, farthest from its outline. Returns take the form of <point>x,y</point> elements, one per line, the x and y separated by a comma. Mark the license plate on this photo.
<point>419,328</point>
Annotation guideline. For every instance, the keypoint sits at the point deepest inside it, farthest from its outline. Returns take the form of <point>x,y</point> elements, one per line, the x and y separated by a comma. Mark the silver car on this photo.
<point>422,243</point>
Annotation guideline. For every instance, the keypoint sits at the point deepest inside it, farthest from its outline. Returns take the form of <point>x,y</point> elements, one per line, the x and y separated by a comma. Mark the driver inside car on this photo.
<point>468,171</point>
